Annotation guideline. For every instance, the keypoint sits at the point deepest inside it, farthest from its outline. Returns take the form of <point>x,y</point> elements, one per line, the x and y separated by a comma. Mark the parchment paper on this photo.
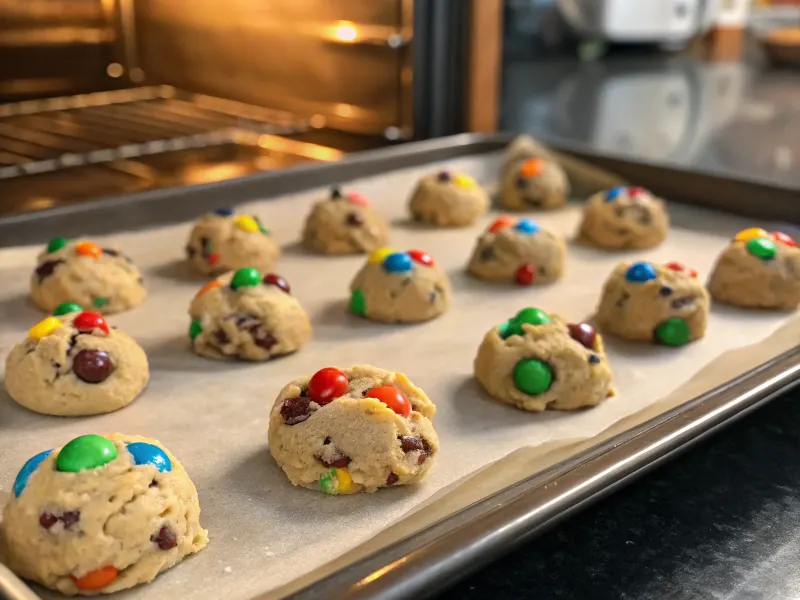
<point>264,533</point>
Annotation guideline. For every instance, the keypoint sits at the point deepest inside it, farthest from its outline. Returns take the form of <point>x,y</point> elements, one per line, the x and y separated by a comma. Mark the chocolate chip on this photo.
<point>46,269</point>
<point>92,366</point>
<point>410,444</point>
<point>443,176</point>
<point>70,517</point>
<point>296,410</point>
<point>682,302</point>
<point>392,479</point>
<point>665,290</point>
<point>73,339</point>
<point>336,193</point>
<point>432,297</point>
<point>340,462</point>
<point>153,483</point>
<point>426,450</point>
<point>522,183</point>
<point>594,359</point>
<point>327,440</point>
<point>47,520</point>
<point>487,253</point>
<point>221,337</point>
<point>354,220</point>
<point>110,252</point>
<point>623,299</point>
<point>165,538</point>
<point>264,339</point>
<point>190,252</point>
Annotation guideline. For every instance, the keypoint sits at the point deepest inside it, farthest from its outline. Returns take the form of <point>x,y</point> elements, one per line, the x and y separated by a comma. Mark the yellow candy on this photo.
<point>345,481</point>
<point>464,181</point>
<point>44,328</point>
<point>377,256</point>
<point>751,233</point>
<point>246,223</point>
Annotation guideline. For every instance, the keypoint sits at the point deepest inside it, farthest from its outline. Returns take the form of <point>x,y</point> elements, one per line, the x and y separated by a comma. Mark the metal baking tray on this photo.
<point>420,564</point>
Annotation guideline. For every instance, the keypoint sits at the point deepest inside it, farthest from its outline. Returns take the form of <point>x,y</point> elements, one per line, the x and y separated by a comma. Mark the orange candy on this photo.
<point>209,286</point>
<point>96,580</point>
<point>676,266</point>
<point>532,167</point>
<point>88,249</point>
<point>391,397</point>
<point>501,223</point>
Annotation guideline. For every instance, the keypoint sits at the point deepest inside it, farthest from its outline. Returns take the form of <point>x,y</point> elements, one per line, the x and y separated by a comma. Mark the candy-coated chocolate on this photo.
<point>246,223</point>
<point>391,397</point>
<point>529,316</point>
<point>88,249</point>
<point>56,244</point>
<point>195,329</point>
<point>502,329</point>
<point>421,257</point>
<point>640,272</point>
<point>751,233</point>
<point>356,198</point>
<point>92,366</point>
<point>223,212</point>
<point>150,454</point>
<point>379,255</point>
<point>501,223</point>
<point>326,385</point>
<point>762,248</point>
<point>87,322</point>
<point>213,258</point>
<point>209,286</point>
<point>344,479</point>
<point>527,226</point>
<point>532,376</point>
<point>680,267</point>
<point>635,191</point>
<point>358,304</point>
<point>44,328</point>
<point>100,302</point>
<point>277,281</point>
<point>672,332</point>
<point>525,275</point>
<point>96,580</point>
<point>781,237</point>
<point>328,482</point>
<point>86,452</point>
<point>27,470</point>
<point>464,181</point>
<point>245,277</point>
<point>532,167</point>
<point>261,227</point>
<point>443,176</point>
<point>614,193</point>
<point>583,333</point>
<point>399,262</point>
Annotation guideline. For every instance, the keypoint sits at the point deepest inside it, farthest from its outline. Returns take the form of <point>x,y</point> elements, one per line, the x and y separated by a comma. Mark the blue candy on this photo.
<point>27,470</point>
<point>614,193</point>
<point>639,272</point>
<point>224,212</point>
<point>527,226</point>
<point>399,262</point>
<point>148,454</point>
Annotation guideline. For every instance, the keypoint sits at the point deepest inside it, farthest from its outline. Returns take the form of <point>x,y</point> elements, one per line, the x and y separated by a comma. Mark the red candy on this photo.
<point>421,257</point>
<point>87,322</point>
<point>213,258</point>
<point>277,281</point>
<point>525,275</point>
<point>391,397</point>
<point>501,223</point>
<point>327,384</point>
<point>635,191</point>
<point>783,239</point>
<point>676,266</point>
<point>356,198</point>
<point>583,333</point>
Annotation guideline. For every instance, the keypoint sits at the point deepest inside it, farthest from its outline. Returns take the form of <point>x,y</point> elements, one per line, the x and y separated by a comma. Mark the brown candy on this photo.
<point>583,333</point>
<point>92,366</point>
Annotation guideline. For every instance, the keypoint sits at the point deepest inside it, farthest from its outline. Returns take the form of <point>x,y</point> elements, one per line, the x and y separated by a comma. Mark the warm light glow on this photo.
<point>346,31</point>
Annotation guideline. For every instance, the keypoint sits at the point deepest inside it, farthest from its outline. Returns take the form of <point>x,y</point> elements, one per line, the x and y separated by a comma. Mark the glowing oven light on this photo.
<point>346,32</point>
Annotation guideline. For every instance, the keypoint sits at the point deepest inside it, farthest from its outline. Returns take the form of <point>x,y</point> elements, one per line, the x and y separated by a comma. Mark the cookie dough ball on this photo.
<point>537,361</point>
<point>345,225</point>
<point>222,241</point>
<point>101,514</point>
<point>399,287</point>
<point>242,315</point>
<point>624,218</point>
<point>448,199</point>
<point>76,365</point>
<point>101,278</point>
<point>534,183</point>
<point>663,304</point>
<point>758,270</point>
<point>518,250</point>
<point>351,430</point>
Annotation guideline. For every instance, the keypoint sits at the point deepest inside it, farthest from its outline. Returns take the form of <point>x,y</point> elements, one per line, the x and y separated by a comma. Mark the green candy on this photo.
<point>531,316</point>
<point>261,228</point>
<point>327,482</point>
<point>246,277</point>
<point>56,244</point>
<point>100,302</point>
<point>358,304</point>
<point>65,308</point>
<point>502,329</point>
<point>761,248</point>
<point>673,332</point>
<point>86,452</point>
<point>195,329</point>
<point>532,376</point>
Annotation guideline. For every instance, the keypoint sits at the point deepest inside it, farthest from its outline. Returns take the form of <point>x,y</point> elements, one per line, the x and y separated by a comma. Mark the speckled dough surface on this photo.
<point>76,372</point>
<point>573,372</point>
<point>405,290</point>
<point>654,303</point>
<point>534,184</point>
<point>223,241</point>
<point>743,278</point>
<point>101,279</point>
<point>624,218</point>
<point>121,523</point>
<point>448,199</point>
<point>251,322</point>
<point>354,442</point>
<point>344,224</point>
<point>518,250</point>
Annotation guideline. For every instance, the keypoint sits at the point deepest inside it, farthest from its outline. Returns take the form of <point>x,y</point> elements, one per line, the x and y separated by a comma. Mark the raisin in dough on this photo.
<point>448,199</point>
<point>537,361</point>
<point>534,183</point>
<point>399,287</point>
<point>76,365</point>
<point>240,315</point>
<point>663,304</point>
<point>101,514</point>
<point>344,225</point>
<point>103,279</point>
<point>758,269</point>
<point>351,430</point>
<point>518,250</point>
<point>624,218</point>
<point>222,241</point>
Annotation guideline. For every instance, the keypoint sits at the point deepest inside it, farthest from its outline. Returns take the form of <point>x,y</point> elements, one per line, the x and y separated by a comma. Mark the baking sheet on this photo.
<point>213,416</point>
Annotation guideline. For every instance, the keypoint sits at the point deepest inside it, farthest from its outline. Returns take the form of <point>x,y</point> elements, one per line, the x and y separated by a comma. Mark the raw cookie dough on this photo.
<point>103,279</point>
<point>534,183</point>
<point>758,270</point>
<point>222,241</point>
<point>624,218</point>
<point>448,199</point>
<point>399,287</point>
<point>537,361</point>
<point>101,514</point>
<point>518,250</point>
<point>242,315</point>
<point>344,225</point>
<point>75,365</point>
<point>344,431</point>
<point>663,304</point>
